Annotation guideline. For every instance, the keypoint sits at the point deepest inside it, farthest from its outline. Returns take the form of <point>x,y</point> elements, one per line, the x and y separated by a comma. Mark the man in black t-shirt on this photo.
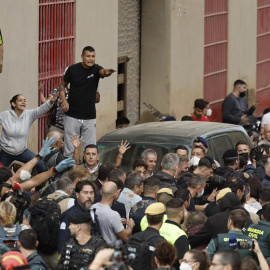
<point>80,109</point>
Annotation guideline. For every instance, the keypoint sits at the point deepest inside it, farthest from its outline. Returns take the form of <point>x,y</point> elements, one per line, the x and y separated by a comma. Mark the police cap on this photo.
<point>80,218</point>
<point>165,190</point>
<point>201,140</point>
<point>155,209</point>
<point>230,154</point>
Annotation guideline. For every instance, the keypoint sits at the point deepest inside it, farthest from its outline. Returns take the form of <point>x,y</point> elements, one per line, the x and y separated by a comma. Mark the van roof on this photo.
<point>168,132</point>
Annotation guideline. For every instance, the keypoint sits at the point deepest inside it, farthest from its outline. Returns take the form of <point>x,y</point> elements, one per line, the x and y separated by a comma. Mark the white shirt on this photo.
<point>266,119</point>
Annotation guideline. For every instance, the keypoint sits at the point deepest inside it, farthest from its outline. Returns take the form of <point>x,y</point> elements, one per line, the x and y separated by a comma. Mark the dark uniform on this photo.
<point>226,173</point>
<point>153,235</point>
<point>137,212</point>
<point>217,223</point>
<point>222,174</point>
<point>221,242</point>
<point>150,235</point>
<point>36,262</point>
<point>75,256</point>
<point>261,232</point>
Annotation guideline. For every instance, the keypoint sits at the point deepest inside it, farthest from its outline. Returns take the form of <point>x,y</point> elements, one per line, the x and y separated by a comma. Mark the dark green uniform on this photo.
<point>261,232</point>
<point>36,262</point>
<point>221,242</point>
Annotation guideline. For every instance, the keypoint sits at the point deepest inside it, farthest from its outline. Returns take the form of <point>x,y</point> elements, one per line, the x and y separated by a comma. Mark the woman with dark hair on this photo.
<point>195,260</point>
<point>164,256</point>
<point>255,190</point>
<point>15,128</point>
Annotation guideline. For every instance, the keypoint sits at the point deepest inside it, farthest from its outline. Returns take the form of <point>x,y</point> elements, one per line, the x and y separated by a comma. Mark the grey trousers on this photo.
<point>86,129</point>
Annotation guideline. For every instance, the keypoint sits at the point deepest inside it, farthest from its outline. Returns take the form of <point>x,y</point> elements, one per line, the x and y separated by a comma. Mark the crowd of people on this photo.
<point>61,211</point>
<point>190,214</point>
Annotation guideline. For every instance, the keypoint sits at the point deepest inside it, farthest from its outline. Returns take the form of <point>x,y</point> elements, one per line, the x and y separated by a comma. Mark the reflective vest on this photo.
<point>171,232</point>
<point>144,222</point>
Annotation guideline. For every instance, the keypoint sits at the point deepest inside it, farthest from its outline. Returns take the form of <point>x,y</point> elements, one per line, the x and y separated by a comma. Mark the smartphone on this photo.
<point>246,244</point>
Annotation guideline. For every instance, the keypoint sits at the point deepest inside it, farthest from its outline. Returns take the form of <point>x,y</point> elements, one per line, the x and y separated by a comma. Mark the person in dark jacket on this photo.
<point>231,162</point>
<point>137,212</point>
<point>85,193</point>
<point>234,108</point>
<point>217,223</point>
<point>169,165</point>
<point>154,214</point>
<point>261,231</point>
<point>27,244</point>
<point>81,248</point>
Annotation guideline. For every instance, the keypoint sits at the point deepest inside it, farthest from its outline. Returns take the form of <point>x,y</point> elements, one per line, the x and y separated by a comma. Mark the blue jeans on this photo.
<point>24,157</point>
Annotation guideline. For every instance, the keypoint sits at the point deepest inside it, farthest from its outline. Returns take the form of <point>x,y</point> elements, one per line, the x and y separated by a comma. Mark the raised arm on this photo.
<point>36,113</point>
<point>42,177</point>
<point>42,97</point>
<point>122,148</point>
<point>64,105</point>
<point>76,140</point>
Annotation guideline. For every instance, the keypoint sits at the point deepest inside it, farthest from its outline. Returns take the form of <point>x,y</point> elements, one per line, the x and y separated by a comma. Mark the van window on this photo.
<point>221,144</point>
<point>236,137</point>
<point>108,152</point>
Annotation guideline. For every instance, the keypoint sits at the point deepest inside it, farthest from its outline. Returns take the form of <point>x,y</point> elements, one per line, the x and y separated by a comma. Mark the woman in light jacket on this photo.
<point>15,129</point>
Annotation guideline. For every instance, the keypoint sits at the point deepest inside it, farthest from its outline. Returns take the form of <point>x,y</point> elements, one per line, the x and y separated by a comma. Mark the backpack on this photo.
<point>10,241</point>
<point>49,156</point>
<point>45,220</point>
<point>143,252</point>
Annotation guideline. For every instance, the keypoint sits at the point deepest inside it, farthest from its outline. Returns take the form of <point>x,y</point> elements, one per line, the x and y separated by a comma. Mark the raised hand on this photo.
<point>46,149</point>
<point>123,147</point>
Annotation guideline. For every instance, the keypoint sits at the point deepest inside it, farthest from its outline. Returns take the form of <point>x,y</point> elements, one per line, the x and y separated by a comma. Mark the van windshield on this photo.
<point>108,152</point>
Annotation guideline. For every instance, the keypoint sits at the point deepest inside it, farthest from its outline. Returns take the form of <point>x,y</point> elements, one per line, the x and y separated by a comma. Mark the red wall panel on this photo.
<point>263,55</point>
<point>215,54</point>
<point>56,47</point>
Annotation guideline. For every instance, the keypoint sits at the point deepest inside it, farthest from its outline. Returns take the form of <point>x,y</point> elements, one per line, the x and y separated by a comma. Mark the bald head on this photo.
<point>58,139</point>
<point>55,135</point>
<point>109,190</point>
<point>267,132</point>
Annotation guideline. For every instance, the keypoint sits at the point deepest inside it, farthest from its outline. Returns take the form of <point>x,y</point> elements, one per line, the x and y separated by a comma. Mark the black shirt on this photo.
<point>83,88</point>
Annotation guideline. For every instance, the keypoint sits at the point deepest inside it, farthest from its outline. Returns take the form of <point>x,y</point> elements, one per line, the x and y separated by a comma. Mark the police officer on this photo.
<point>234,239</point>
<point>27,245</point>
<point>80,250</point>
<point>261,231</point>
<point>172,231</point>
<point>154,214</point>
<point>231,162</point>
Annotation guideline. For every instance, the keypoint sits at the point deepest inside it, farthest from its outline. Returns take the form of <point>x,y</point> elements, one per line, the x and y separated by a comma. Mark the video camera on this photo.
<point>19,198</point>
<point>121,257</point>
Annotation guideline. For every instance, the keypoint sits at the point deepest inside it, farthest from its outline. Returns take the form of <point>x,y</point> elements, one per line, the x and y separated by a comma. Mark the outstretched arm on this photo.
<point>42,177</point>
<point>106,72</point>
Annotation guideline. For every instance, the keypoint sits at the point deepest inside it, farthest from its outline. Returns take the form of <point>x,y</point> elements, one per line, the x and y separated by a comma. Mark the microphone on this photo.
<point>233,244</point>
